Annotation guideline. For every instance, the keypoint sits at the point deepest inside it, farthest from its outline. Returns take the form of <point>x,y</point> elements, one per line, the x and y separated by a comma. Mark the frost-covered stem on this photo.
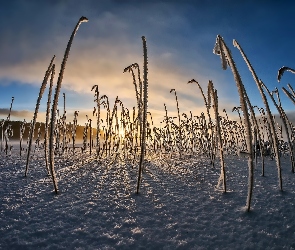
<point>110,127</point>
<point>178,116</point>
<point>2,130</point>
<point>21,133</point>
<point>241,122</point>
<point>106,133</point>
<point>8,117</point>
<point>255,145</point>
<point>74,128</point>
<point>138,94</point>
<point>292,90</point>
<point>282,70</point>
<point>213,94</point>
<point>283,117</point>
<point>33,124</point>
<point>47,118</point>
<point>145,106</point>
<point>270,117</point>
<point>211,149</point>
<point>55,102</point>
<point>292,97</point>
<point>64,128</point>
<point>85,132</point>
<point>262,146</point>
<point>259,141</point>
<point>276,91</point>
<point>64,98</point>
<point>167,124</point>
<point>97,100</point>
<point>90,136</point>
<point>226,56</point>
<point>8,127</point>
<point>7,134</point>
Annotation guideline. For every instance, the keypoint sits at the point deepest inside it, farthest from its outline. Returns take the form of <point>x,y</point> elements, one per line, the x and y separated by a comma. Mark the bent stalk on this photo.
<point>55,103</point>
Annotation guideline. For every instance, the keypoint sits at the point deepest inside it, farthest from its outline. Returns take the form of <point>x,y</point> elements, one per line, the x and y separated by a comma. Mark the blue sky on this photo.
<point>180,38</point>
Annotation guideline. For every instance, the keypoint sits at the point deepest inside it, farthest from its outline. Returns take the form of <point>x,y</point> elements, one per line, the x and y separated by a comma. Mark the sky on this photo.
<point>180,39</point>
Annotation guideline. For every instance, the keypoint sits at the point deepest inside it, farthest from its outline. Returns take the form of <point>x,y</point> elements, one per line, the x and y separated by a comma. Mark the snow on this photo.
<point>178,206</point>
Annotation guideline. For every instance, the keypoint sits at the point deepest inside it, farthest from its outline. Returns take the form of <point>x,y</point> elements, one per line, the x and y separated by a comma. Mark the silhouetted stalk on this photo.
<point>63,124</point>
<point>2,132</point>
<point>144,118</point>
<point>258,142</point>
<point>255,145</point>
<point>8,130</point>
<point>262,146</point>
<point>106,105</point>
<point>8,117</point>
<point>31,135</point>
<point>47,118</point>
<point>241,122</point>
<point>179,141</point>
<point>90,136</point>
<point>22,128</point>
<point>138,93</point>
<point>110,129</point>
<point>74,129</point>
<point>97,110</point>
<point>212,146</point>
<point>85,134</point>
<point>55,102</point>
<point>7,135</point>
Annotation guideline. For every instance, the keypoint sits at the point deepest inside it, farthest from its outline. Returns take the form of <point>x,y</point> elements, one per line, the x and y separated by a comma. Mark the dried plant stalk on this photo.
<point>55,103</point>
<point>144,116</point>
<point>97,111</point>
<point>282,70</point>
<point>212,146</point>
<point>47,118</point>
<point>284,120</point>
<point>212,93</point>
<point>290,95</point>
<point>33,124</point>
<point>270,117</point>
<point>222,50</point>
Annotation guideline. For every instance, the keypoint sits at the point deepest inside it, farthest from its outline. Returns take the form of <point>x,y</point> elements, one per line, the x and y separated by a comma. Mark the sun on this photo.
<point>121,133</point>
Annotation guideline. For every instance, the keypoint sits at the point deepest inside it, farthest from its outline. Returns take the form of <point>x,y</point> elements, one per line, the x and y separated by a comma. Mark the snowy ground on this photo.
<point>177,208</point>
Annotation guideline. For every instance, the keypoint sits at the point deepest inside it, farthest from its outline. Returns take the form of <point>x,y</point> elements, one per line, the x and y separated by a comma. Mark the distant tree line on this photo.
<point>15,125</point>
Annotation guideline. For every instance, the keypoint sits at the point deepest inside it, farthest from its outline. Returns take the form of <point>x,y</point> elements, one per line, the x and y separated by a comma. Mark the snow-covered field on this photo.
<point>178,206</point>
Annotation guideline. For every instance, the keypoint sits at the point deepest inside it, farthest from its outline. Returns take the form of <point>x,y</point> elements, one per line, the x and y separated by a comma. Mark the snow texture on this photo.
<point>178,206</point>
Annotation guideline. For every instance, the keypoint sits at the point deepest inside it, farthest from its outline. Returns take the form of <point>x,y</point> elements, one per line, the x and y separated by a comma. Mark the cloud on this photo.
<point>104,46</point>
<point>103,63</point>
<point>16,114</point>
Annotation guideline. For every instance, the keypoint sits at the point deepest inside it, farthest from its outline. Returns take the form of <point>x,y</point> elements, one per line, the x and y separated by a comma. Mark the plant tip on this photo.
<point>83,19</point>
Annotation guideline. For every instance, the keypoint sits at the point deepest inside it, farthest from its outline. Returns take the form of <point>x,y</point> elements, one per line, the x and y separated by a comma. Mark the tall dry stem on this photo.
<point>212,93</point>
<point>284,121</point>
<point>290,95</point>
<point>97,111</point>
<point>226,57</point>
<point>212,144</point>
<point>55,103</point>
<point>33,124</point>
<point>47,118</point>
<point>144,116</point>
<point>270,117</point>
